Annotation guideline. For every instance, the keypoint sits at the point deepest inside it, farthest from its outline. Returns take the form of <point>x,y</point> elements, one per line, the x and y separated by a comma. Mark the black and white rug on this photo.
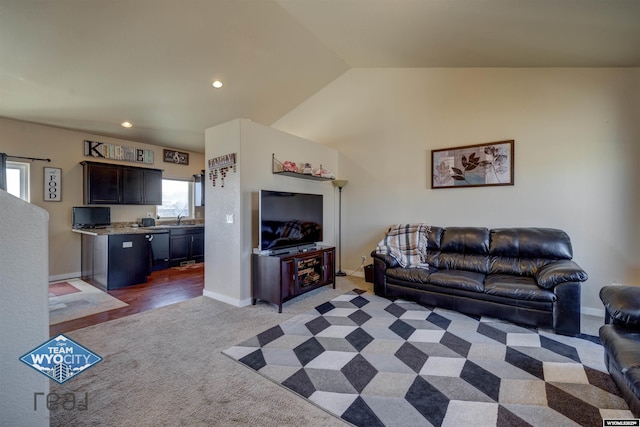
<point>373,362</point>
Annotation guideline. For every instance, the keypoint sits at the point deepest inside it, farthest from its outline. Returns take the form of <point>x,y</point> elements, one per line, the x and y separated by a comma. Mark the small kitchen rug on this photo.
<point>374,362</point>
<point>75,298</point>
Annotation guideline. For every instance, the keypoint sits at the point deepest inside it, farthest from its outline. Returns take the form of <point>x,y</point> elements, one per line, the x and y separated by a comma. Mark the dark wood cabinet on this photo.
<point>102,183</point>
<point>152,186</point>
<point>186,245</point>
<point>125,185</point>
<point>197,247</point>
<point>278,278</point>
<point>132,186</point>
<point>116,261</point>
<point>129,260</point>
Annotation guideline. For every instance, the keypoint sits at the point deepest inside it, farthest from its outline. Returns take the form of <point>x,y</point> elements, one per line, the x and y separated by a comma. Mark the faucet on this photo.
<point>180,216</point>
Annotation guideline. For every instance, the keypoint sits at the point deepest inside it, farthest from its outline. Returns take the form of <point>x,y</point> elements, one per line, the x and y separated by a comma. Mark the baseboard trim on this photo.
<point>58,277</point>
<point>592,311</point>
<point>226,299</point>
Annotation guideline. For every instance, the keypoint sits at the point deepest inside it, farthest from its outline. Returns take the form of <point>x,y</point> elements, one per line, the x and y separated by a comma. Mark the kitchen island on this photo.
<point>120,256</point>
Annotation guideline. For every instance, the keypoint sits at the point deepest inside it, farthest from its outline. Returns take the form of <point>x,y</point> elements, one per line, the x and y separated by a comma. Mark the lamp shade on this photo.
<point>339,182</point>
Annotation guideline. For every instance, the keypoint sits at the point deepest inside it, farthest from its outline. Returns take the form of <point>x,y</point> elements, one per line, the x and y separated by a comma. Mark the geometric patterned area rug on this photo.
<point>75,298</point>
<point>374,362</point>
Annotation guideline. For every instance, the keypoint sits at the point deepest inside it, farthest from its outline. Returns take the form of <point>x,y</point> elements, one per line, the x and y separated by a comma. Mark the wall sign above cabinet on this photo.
<point>177,157</point>
<point>105,150</point>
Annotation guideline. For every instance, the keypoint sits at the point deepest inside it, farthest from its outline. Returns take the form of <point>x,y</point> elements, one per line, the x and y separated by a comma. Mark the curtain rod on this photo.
<point>28,158</point>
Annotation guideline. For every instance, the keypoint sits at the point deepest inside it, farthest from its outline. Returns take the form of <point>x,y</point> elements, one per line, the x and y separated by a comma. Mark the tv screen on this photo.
<point>91,217</point>
<point>289,220</point>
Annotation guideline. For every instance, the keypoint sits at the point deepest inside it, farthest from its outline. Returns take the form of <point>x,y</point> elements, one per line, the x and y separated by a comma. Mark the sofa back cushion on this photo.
<point>523,251</point>
<point>464,248</point>
<point>548,243</point>
<point>516,251</point>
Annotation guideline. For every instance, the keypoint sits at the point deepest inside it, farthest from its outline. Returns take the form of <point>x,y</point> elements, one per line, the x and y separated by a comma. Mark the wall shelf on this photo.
<point>277,169</point>
<point>302,175</point>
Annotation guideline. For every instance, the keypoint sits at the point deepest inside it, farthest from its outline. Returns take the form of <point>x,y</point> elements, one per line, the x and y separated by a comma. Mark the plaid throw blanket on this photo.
<point>407,243</point>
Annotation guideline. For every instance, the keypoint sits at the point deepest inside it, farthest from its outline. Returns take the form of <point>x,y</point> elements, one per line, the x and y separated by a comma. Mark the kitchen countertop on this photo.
<point>130,229</point>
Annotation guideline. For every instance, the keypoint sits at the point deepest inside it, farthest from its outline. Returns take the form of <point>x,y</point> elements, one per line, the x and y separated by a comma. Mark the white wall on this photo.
<point>576,135</point>
<point>24,310</point>
<point>229,246</point>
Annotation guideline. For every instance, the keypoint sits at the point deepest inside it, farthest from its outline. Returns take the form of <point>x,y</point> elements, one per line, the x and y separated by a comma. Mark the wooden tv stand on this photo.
<point>278,278</point>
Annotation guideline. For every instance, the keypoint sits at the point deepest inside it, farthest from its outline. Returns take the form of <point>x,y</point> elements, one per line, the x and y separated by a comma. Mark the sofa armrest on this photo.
<point>380,265</point>
<point>387,259</point>
<point>560,271</point>
<point>622,305</point>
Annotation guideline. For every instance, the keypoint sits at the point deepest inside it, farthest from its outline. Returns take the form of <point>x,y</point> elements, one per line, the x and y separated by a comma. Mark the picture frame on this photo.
<point>52,184</point>
<point>177,157</point>
<point>479,165</point>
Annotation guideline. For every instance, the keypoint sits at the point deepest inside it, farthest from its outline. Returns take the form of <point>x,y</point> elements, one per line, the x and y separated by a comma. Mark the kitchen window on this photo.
<point>18,179</point>
<point>176,199</point>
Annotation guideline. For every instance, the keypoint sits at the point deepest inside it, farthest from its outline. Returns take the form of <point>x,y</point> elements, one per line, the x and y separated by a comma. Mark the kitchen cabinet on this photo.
<point>117,260</point>
<point>186,245</point>
<point>126,185</point>
<point>278,278</point>
<point>102,183</point>
<point>152,186</point>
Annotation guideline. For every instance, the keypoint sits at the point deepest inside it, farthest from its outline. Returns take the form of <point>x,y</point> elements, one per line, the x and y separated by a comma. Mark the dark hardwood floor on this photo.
<point>163,287</point>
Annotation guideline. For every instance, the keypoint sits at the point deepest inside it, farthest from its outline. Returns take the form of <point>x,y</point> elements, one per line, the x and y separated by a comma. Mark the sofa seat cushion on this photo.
<point>458,279</point>
<point>622,303</point>
<point>412,275</point>
<point>517,287</point>
<point>622,345</point>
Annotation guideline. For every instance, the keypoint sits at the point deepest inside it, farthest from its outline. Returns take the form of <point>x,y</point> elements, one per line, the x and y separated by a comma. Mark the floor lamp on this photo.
<point>340,183</point>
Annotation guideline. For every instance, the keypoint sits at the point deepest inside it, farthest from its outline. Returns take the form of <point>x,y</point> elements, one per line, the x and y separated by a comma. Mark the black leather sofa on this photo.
<point>620,338</point>
<point>523,275</point>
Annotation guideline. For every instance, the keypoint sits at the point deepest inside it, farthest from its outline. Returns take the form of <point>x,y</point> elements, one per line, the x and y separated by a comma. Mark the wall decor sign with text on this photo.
<point>52,184</point>
<point>473,165</point>
<point>105,150</point>
<point>219,166</point>
<point>177,157</point>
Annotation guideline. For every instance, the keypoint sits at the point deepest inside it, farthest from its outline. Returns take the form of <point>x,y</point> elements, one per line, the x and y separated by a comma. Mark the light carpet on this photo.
<point>75,298</point>
<point>165,367</point>
<point>373,362</point>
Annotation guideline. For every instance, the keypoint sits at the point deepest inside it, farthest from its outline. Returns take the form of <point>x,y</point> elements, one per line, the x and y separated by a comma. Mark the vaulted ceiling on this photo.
<point>91,64</point>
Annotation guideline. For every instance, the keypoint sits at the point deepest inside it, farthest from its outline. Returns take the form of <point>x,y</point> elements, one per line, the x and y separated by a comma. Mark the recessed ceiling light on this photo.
<point>217,84</point>
<point>126,125</point>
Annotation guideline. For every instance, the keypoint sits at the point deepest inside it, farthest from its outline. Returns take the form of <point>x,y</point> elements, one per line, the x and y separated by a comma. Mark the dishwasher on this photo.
<point>159,249</point>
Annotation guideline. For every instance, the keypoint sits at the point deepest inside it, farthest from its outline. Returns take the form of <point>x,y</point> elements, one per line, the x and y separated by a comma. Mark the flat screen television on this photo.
<point>90,216</point>
<point>289,220</point>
